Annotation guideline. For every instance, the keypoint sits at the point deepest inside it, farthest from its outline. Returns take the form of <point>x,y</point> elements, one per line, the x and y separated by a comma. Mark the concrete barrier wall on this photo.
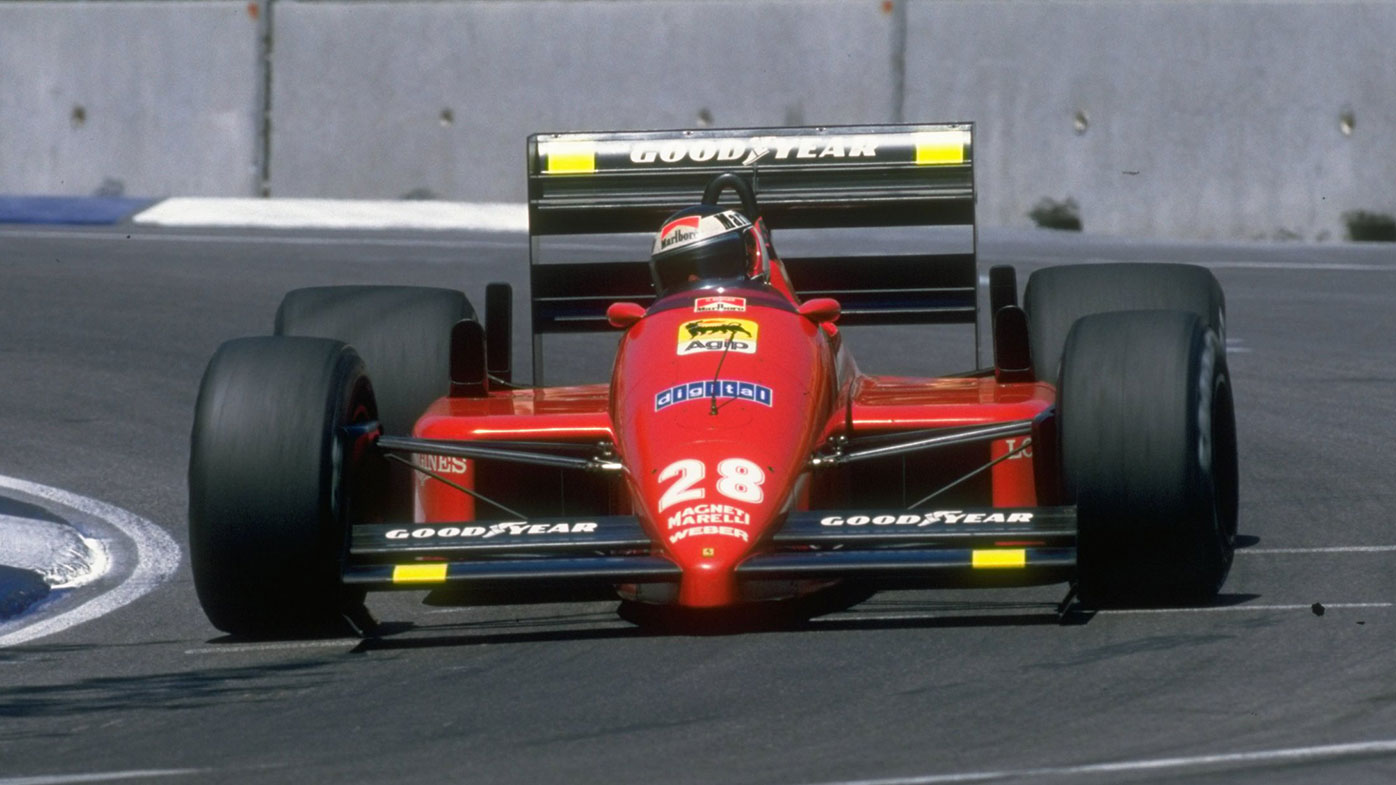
<point>1224,119</point>
<point>145,98</point>
<point>1197,119</point>
<point>374,99</point>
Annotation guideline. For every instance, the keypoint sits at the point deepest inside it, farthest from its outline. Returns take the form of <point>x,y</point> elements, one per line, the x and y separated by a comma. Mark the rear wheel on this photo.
<point>277,447</point>
<point>403,334</point>
<point>1057,296</point>
<point>1148,450</point>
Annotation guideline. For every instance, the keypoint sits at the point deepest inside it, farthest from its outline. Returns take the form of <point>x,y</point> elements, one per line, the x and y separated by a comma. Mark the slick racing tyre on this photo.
<point>403,334</point>
<point>1148,450</point>
<point>1057,296</point>
<point>273,461</point>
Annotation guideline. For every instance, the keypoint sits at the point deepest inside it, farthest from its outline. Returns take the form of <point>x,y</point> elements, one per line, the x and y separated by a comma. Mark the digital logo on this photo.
<point>725,389</point>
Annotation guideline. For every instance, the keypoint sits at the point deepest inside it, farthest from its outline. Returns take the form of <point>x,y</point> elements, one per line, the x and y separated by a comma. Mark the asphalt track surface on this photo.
<point>103,338</point>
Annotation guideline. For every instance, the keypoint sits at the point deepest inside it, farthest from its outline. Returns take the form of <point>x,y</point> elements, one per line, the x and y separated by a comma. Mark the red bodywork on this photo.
<point>712,478</point>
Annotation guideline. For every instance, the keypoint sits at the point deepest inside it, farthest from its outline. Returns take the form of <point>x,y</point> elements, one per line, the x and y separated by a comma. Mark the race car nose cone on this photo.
<point>708,539</point>
<point>715,416</point>
<point>709,577</point>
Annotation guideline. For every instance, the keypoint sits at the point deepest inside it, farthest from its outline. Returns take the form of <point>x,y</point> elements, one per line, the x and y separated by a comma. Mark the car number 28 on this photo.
<point>738,479</point>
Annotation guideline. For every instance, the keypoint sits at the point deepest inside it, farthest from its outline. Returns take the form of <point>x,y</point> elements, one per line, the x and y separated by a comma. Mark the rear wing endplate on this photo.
<point>825,177</point>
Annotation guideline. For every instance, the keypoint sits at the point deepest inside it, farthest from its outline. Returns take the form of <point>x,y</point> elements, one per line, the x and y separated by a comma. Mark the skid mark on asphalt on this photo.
<point>243,648</point>
<point>1321,753</point>
<point>157,556</point>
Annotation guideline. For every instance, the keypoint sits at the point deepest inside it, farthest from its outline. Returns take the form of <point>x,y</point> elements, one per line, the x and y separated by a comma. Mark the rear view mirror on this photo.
<point>821,310</point>
<point>624,314</point>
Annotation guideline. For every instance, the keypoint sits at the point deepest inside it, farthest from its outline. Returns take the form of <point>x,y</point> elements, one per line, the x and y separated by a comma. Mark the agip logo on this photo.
<point>718,335</point>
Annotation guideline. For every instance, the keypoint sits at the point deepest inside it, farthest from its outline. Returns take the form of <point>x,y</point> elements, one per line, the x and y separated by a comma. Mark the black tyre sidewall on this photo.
<point>1148,456</point>
<point>266,531</point>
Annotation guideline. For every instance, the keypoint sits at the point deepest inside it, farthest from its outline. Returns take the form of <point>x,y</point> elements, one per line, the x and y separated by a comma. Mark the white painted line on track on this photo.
<point>860,616</point>
<point>357,241</point>
<point>108,776</point>
<point>1318,753</point>
<point>1341,267</point>
<point>105,776</point>
<point>262,239</point>
<point>1027,260</point>
<point>1330,549</point>
<point>1238,608</point>
<point>1238,264</point>
<point>337,214</point>
<point>157,556</point>
<point>243,648</point>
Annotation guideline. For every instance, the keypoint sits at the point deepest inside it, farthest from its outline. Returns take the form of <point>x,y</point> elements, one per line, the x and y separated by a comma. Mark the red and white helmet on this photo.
<point>700,245</point>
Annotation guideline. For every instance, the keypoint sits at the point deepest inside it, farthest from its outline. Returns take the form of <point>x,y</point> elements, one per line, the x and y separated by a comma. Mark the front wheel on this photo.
<point>271,469</point>
<point>1148,450</point>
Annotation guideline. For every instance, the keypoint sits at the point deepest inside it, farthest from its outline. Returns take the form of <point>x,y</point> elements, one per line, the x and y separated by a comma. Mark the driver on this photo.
<point>701,246</point>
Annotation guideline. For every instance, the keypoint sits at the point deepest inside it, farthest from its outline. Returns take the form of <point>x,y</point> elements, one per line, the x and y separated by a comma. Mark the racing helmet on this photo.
<point>700,245</point>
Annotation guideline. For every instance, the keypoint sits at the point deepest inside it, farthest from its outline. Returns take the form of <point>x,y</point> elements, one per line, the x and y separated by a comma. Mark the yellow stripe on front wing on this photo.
<point>419,573</point>
<point>1002,557</point>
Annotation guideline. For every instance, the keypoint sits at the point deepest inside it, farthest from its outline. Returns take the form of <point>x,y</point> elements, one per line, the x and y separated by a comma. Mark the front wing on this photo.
<point>892,547</point>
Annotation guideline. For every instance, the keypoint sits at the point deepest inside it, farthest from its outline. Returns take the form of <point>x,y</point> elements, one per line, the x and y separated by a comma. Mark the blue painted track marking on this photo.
<point>92,210</point>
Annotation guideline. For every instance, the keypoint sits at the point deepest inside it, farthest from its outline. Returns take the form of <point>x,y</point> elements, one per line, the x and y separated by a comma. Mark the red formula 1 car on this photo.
<point>737,457</point>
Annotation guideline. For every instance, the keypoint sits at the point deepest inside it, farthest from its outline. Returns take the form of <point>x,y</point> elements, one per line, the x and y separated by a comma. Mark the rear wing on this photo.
<point>825,177</point>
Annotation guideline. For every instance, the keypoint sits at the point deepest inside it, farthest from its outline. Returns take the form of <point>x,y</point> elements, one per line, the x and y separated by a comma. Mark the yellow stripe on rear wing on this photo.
<point>806,177</point>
